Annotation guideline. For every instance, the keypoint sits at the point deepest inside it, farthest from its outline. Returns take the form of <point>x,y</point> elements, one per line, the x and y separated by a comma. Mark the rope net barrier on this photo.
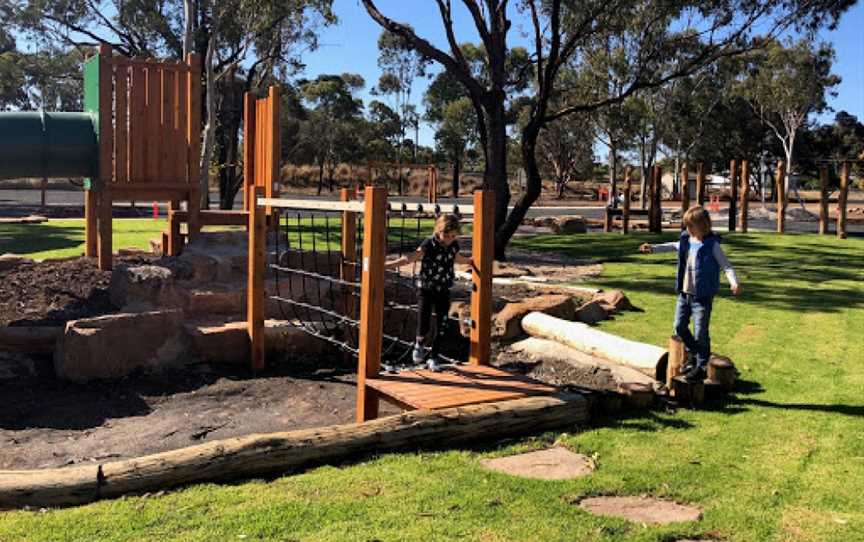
<point>317,275</point>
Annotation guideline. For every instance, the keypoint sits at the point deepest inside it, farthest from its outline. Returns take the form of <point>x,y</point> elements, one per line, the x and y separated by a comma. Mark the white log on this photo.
<point>275,453</point>
<point>645,358</point>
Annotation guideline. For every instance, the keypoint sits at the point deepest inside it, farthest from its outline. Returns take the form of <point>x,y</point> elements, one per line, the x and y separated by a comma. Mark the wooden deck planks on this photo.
<point>456,386</point>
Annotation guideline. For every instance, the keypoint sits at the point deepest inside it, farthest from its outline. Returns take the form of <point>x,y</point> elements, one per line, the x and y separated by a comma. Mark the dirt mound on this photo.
<point>641,509</point>
<point>52,292</point>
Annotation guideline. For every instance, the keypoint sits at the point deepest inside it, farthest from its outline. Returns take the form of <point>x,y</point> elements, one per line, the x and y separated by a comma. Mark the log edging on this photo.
<point>277,453</point>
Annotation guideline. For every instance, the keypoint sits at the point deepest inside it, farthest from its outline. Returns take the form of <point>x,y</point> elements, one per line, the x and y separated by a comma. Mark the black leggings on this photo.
<point>427,299</point>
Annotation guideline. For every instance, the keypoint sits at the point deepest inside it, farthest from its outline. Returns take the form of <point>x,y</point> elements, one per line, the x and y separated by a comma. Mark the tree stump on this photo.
<point>722,370</point>
<point>636,395</point>
<point>677,357</point>
<point>688,393</point>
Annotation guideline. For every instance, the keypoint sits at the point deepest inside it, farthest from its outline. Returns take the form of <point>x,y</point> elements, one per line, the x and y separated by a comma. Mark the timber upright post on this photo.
<point>823,200</point>
<point>700,184</point>
<point>745,195</point>
<point>781,197</point>
<point>842,200</point>
<point>685,193</point>
<point>256,269</point>
<point>193,141</point>
<point>733,196</point>
<point>625,211</point>
<point>483,254</point>
<point>371,300</point>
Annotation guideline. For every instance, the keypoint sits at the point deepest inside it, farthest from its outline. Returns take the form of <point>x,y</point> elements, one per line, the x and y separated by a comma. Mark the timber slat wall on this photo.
<point>149,141</point>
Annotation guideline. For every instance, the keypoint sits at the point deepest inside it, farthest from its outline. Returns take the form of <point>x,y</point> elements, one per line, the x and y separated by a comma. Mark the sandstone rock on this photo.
<point>500,269</point>
<point>591,313</point>
<point>229,342</point>
<point>29,339</point>
<point>216,301</point>
<point>460,312</point>
<point>507,323</point>
<point>569,225</point>
<point>613,301</point>
<point>143,287</point>
<point>115,345</point>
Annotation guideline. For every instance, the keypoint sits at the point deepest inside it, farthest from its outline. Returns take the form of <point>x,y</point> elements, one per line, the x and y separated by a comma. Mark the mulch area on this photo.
<point>53,292</point>
<point>45,422</point>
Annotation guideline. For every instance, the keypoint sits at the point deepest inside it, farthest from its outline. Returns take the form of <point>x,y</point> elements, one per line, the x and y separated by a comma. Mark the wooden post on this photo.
<point>91,215</point>
<point>733,196</point>
<point>745,195</point>
<point>106,158</point>
<point>255,304</point>
<point>371,300</point>
<point>433,184</point>
<point>248,146</point>
<point>842,200</point>
<point>677,357</point>
<point>607,218</point>
<point>483,254</point>
<point>700,184</point>
<point>628,188</point>
<point>781,197</point>
<point>823,200</point>
<point>274,150</point>
<point>685,193</point>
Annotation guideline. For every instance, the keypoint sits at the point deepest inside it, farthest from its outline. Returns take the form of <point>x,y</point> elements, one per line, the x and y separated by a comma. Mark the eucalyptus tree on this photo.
<point>785,85</point>
<point>695,34</point>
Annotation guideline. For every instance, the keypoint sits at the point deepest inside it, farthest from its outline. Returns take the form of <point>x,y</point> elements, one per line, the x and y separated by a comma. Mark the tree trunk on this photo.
<point>612,201</point>
<point>291,451</point>
<point>533,187</point>
<point>495,175</point>
<point>456,165</point>
<point>320,177</point>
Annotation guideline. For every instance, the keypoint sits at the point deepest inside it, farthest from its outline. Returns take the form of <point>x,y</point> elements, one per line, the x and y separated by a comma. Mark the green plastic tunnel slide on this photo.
<point>47,145</point>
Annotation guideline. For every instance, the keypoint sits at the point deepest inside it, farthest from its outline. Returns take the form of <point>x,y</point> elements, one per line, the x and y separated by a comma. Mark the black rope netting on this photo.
<point>318,288</point>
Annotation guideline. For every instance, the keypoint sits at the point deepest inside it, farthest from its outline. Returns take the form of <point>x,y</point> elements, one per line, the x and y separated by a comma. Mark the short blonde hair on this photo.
<point>445,223</point>
<point>698,220</point>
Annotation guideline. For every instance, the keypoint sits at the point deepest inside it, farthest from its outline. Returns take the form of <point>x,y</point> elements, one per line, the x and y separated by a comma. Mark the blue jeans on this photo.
<point>700,309</point>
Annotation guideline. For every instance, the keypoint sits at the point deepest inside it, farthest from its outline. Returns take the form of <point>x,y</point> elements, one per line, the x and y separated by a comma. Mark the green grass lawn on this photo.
<point>65,238</point>
<point>782,459</point>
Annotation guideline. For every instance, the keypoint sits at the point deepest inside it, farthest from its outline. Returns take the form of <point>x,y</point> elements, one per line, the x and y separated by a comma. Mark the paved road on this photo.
<point>14,202</point>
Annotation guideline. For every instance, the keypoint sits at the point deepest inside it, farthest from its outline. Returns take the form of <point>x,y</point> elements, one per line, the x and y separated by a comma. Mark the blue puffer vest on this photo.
<point>707,269</point>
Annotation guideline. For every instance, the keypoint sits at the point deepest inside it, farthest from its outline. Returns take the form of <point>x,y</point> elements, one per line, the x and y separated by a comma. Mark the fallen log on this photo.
<point>277,453</point>
<point>645,358</point>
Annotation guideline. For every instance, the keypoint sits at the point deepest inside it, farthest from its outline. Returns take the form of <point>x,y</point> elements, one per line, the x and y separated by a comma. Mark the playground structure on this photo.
<point>138,138</point>
<point>355,282</point>
<point>739,198</point>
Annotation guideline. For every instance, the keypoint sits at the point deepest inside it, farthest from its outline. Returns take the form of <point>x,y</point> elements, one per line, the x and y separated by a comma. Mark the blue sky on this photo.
<point>351,46</point>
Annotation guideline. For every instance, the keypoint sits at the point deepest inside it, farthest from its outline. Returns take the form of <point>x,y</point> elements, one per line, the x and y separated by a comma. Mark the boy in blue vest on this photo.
<point>700,259</point>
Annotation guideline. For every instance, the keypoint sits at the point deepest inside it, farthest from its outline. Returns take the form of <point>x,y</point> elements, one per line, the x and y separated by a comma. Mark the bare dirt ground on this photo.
<point>46,423</point>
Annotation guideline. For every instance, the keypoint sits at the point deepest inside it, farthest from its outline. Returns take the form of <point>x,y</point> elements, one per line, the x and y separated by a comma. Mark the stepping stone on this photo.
<point>641,509</point>
<point>551,464</point>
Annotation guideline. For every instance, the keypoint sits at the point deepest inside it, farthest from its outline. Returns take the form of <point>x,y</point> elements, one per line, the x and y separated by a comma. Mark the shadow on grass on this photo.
<point>29,238</point>
<point>785,273</point>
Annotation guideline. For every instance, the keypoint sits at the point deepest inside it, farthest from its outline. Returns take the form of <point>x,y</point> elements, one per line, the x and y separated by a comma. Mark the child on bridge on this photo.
<point>700,259</point>
<point>437,253</point>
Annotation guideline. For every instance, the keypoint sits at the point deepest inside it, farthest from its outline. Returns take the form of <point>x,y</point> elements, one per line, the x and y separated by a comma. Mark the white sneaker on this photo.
<point>433,365</point>
<point>419,353</point>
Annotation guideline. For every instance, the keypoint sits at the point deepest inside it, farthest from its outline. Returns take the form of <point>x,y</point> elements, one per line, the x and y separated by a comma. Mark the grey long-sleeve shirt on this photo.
<point>690,271</point>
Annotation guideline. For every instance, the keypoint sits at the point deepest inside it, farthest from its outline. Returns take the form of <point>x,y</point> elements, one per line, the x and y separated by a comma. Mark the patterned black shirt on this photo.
<point>436,268</point>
